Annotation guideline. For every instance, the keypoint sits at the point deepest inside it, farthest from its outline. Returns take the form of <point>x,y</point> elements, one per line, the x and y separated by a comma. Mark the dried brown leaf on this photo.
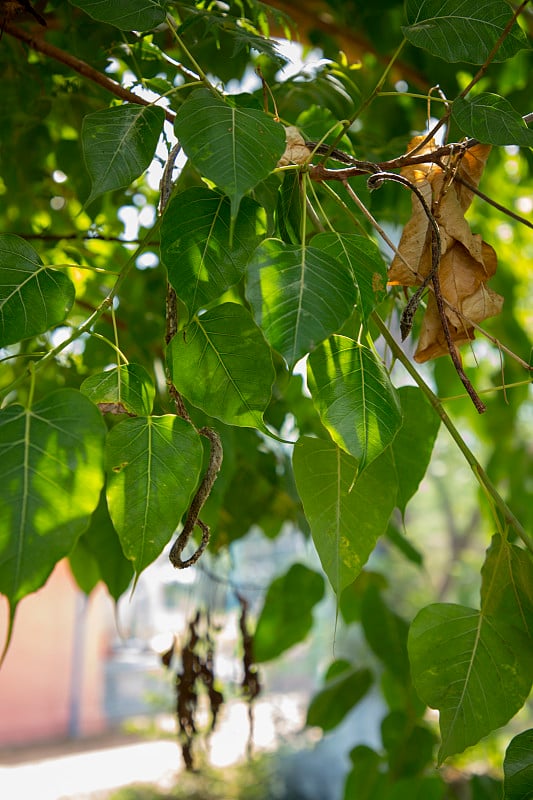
<point>296,151</point>
<point>467,262</point>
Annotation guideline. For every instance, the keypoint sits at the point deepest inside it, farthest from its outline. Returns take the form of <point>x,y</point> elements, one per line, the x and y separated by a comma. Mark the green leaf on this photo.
<point>236,148</point>
<point>475,669</point>
<point>365,781</point>
<point>409,747</point>
<point>153,467</point>
<point>484,787</point>
<point>362,257</point>
<point>507,585</point>
<point>223,365</point>
<point>195,244</point>
<point>462,30</point>
<point>51,472</point>
<point>429,787</point>
<point>347,512</point>
<point>84,567</point>
<point>491,119</point>
<point>352,392</point>
<point>386,633</point>
<point>340,694</point>
<point>128,15</point>
<point>413,444</point>
<point>101,540</point>
<point>125,389</point>
<point>119,144</point>
<point>351,600</point>
<point>403,544</point>
<point>33,298</point>
<point>298,295</point>
<point>287,617</point>
<point>518,768</point>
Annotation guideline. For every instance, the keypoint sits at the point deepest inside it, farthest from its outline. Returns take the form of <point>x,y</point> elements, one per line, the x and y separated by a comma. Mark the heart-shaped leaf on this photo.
<point>153,466</point>
<point>462,30</point>
<point>352,392</point>
<point>460,657</point>
<point>518,767</point>
<point>492,120</point>
<point>287,617</point>
<point>125,389</point>
<point>340,694</point>
<point>347,512</point>
<point>119,144</point>
<point>299,295</point>
<point>222,364</point>
<point>51,471</point>
<point>249,143</point>
<point>195,244</point>
<point>128,15</point>
<point>33,298</point>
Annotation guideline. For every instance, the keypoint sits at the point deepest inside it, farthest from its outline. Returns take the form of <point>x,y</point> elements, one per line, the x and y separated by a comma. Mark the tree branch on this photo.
<point>81,67</point>
<point>481,476</point>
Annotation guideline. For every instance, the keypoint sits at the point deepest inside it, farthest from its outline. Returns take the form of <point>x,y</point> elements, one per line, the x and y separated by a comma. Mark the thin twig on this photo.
<point>81,237</point>
<point>81,67</point>
<point>492,202</point>
<point>375,224</point>
<point>488,336</point>
<point>481,476</point>
<point>166,183</point>
<point>361,167</point>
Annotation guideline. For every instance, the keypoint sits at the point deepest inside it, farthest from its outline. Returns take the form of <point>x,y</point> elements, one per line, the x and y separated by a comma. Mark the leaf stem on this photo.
<point>171,22</point>
<point>502,388</point>
<point>481,476</point>
<point>114,347</point>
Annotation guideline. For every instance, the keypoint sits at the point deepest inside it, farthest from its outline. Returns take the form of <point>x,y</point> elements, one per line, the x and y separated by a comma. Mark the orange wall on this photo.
<point>36,677</point>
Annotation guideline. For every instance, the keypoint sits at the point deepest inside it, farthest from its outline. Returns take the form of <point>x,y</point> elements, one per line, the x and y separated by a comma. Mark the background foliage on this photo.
<point>138,309</point>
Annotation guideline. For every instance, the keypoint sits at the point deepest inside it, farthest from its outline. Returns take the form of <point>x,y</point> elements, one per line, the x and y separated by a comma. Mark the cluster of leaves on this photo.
<point>98,461</point>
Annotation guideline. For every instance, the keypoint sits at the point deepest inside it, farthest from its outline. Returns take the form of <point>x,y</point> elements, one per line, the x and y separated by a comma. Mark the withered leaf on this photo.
<point>467,262</point>
<point>114,408</point>
<point>296,151</point>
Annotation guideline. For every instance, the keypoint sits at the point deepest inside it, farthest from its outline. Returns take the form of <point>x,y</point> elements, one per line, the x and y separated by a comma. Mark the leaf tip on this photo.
<point>9,635</point>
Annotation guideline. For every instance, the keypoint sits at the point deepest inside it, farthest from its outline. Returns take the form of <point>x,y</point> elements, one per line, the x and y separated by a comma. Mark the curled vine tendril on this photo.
<point>216,452</point>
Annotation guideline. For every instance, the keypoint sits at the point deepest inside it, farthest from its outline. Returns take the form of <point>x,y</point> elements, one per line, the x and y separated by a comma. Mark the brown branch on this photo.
<point>81,237</point>
<point>360,167</point>
<point>215,462</point>
<point>81,67</point>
